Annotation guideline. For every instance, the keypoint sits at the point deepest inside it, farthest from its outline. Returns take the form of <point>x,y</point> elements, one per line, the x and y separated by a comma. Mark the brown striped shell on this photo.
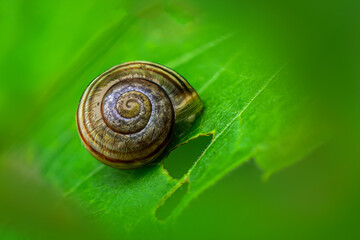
<point>127,115</point>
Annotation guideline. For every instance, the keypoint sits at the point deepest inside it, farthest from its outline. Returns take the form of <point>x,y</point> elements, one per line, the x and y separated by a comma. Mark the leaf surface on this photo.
<point>252,109</point>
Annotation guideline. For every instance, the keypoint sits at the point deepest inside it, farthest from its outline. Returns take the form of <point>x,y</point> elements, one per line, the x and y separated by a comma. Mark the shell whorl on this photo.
<point>126,116</point>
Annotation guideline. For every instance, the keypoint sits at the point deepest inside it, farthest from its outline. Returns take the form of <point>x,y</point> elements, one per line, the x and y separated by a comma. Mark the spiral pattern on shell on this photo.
<point>127,115</point>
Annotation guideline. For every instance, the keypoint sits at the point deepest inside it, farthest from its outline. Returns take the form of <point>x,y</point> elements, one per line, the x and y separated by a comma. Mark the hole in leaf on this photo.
<point>183,158</point>
<point>164,211</point>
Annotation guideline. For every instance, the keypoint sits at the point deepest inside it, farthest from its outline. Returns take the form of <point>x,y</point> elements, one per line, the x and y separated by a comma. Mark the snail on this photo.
<point>127,115</point>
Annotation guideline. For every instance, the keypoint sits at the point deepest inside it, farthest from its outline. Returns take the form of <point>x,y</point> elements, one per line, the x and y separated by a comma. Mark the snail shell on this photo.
<point>127,115</point>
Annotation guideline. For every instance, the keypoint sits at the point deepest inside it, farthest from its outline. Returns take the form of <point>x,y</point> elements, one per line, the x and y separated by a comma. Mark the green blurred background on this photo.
<point>50,50</point>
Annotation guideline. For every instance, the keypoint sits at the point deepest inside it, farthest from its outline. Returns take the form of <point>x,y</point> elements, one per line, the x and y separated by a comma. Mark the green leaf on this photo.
<point>253,108</point>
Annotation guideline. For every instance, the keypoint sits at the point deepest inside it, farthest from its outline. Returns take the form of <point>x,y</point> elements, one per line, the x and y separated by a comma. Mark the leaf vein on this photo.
<point>186,176</point>
<point>219,72</point>
<point>192,54</point>
<point>90,175</point>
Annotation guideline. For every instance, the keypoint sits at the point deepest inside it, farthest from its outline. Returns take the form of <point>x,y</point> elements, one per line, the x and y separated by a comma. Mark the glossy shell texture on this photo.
<point>127,115</point>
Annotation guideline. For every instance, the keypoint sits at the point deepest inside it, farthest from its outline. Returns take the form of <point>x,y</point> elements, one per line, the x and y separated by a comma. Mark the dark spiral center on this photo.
<point>127,106</point>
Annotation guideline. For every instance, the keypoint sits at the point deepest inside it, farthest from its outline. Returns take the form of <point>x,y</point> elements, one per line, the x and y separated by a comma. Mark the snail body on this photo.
<point>127,115</point>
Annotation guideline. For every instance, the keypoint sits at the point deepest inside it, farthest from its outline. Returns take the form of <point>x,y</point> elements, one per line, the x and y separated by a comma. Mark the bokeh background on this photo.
<point>50,50</point>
